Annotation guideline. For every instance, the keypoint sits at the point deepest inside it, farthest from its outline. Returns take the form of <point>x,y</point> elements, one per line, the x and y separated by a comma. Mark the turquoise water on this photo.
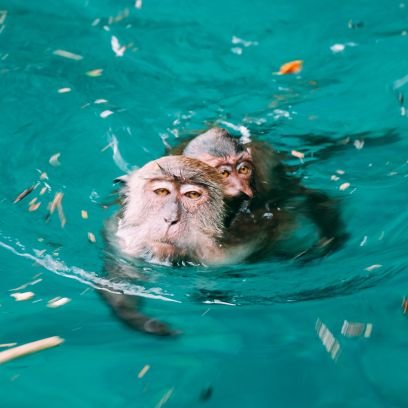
<point>187,65</point>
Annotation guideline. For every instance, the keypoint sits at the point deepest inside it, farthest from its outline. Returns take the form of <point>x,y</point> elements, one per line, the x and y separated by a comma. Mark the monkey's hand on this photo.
<point>125,308</point>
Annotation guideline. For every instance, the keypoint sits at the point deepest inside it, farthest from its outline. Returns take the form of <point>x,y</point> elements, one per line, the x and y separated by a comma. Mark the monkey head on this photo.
<point>232,160</point>
<point>173,210</point>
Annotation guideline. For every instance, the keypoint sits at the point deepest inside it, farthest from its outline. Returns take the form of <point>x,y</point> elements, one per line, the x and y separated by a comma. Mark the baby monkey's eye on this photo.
<point>225,173</point>
<point>162,192</point>
<point>193,195</point>
<point>244,169</point>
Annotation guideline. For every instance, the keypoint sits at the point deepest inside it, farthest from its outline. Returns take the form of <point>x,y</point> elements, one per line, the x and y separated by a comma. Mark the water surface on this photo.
<point>138,76</point>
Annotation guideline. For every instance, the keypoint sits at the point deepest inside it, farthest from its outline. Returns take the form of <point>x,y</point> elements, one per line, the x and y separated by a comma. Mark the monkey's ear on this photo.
<point>121,180</point>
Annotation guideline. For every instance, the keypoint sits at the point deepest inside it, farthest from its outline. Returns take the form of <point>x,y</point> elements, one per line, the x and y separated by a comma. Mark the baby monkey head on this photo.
<point>173,210</point>
<point>231,158</point>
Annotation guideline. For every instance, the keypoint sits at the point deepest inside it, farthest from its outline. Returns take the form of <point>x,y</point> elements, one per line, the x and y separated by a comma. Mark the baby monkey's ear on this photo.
<point>121,179</point>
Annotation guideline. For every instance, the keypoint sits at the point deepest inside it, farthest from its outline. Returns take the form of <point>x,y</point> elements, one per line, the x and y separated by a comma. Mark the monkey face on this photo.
<point>229,156</point>
<point>173,209</point>
<point>237,178</point>
<point>236,171</point>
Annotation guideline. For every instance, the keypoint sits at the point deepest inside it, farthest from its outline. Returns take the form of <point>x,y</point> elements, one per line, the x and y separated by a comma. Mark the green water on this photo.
<point>187,65</point>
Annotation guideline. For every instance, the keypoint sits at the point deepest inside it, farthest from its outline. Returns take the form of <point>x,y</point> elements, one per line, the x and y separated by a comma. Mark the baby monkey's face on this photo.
<point>236,172</point>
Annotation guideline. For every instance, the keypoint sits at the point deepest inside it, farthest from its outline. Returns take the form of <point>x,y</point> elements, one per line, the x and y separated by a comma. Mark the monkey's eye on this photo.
<point>225,173</point>
<point>193,195</point>
<point>162,192</point>
<point>244,169</point>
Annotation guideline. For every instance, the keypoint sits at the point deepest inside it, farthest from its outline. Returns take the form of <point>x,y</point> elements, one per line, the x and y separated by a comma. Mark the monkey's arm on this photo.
<point>325,214</point>
<point>126,307</point>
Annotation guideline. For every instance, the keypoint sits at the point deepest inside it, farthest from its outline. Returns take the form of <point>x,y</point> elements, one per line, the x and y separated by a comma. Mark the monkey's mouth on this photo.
<point>167,250</point>
<point>164,248</point>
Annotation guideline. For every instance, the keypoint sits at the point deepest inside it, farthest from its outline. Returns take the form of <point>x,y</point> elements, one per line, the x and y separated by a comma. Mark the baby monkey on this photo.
<point>172,213</point>
<point>258,187</point>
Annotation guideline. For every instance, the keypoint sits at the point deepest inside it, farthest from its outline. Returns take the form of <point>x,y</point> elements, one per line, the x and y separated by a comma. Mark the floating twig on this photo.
<point>25,193</point>
<point>68,54</point>
<point>143,371</point>
<point>29,348</point>
<point>58,302</point>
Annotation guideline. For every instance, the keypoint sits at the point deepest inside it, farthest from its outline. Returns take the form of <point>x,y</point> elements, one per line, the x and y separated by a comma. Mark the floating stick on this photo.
<point>29,348</point>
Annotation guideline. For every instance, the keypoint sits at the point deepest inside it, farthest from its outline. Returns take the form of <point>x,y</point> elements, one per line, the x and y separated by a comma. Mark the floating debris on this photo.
<point>165,398</point>
<point>25,193</point>
<point>354,329</point>
<point>245,43</point>
<point>373,267</point>
<point>297,154</point>
<point>61,214</point>
<point>358,144</point>
<point>94,73</point>
<point>22,296</point>
<point>105,114</point>
<point>43,176</point>
<point>143,371</point>
<point>404,305</point>
<point>292,67</point>
<point>34,207</point>
<point>344,186</point>
<point>29,348</point>
<point>43,191</point>
<point>54,160</point>
<point>84,214</point>
<point>64,90</point>
<point>341,172</point>
<point>111,144</point>
<point>68,54</point>
<point>56,203</point>
<point>58,302</point>
<point>91,237</point>
<point>25,285</point>
<point>121,16</point>
<point>3,15</point>
<point>355,24</point>
<point>330,343</point>
<point>335,48</point>
<point>117,48</point>
<point>138,4</point>
<point>99,101</point>
<point>57,199</point>
<point>237,50</point>
<point>334,177</point>
<point>8,344</point>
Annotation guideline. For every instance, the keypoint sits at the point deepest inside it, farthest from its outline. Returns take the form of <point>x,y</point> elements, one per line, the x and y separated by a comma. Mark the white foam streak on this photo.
<point>117,157</point>
<point>87,278</point>
<point>245,133</point>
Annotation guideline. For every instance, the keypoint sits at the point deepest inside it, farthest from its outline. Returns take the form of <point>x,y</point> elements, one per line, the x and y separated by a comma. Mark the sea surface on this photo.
<point>92,89</point>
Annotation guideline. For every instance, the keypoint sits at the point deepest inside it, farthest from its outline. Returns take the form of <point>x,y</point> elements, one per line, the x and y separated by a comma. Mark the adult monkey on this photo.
<point>172,212</point>
<point>257,182</point>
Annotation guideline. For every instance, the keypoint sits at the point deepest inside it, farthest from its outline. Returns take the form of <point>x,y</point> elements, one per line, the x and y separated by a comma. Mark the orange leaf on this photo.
<point>292,67</point>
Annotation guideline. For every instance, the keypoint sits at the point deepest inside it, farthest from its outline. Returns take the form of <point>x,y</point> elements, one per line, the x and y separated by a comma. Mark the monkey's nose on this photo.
<point>171,220</point>
<point>247,190</point>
